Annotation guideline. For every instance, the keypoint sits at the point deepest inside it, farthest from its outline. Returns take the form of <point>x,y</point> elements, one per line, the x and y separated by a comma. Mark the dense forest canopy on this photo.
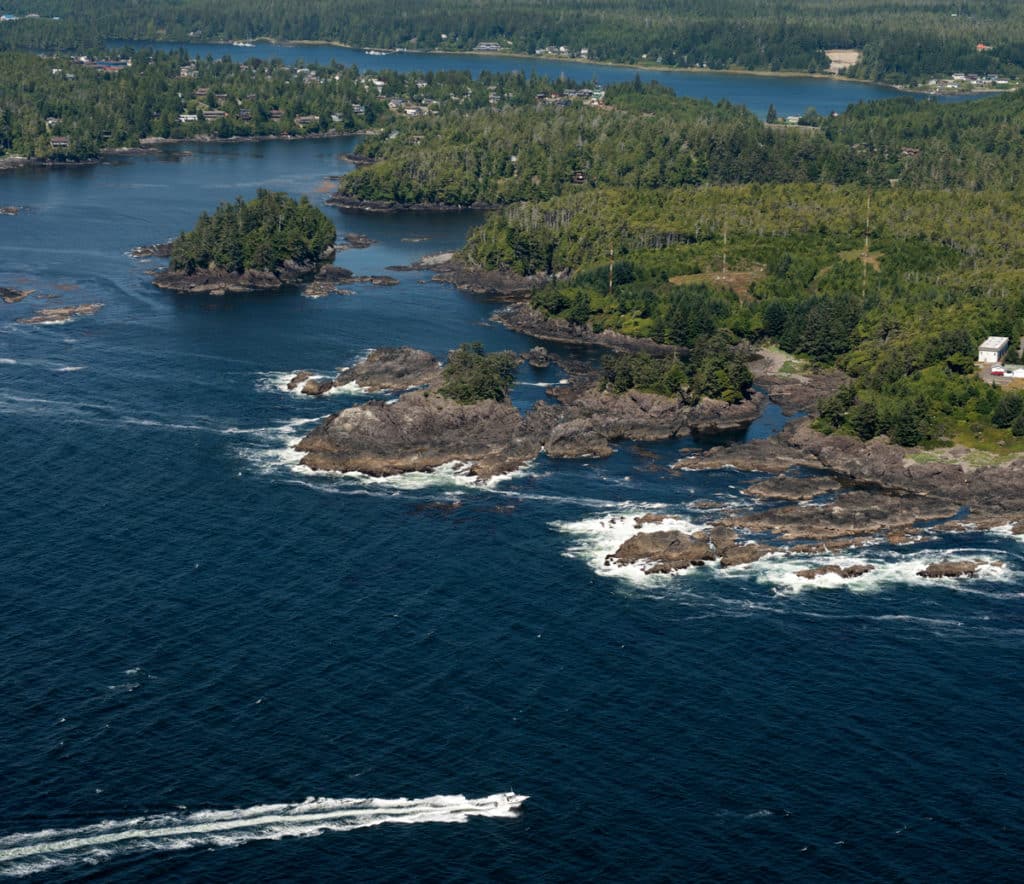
<point>785,264</point>
<point>643,136</point>
<point>61,109</point>
<point>472,375</point>
<point>262,234</point>
<point>901,40</point>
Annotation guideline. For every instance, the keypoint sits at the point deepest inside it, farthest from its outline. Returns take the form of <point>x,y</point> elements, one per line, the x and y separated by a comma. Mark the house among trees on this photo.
<point>993,349</point>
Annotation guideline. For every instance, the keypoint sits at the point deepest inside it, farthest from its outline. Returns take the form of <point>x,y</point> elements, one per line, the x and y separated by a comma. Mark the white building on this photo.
<point>993,349</point>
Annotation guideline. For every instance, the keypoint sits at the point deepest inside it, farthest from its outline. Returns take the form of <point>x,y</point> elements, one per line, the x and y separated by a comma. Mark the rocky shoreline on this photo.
<point>387,207</point>
<point>423,430</point>
<point>215,281</point>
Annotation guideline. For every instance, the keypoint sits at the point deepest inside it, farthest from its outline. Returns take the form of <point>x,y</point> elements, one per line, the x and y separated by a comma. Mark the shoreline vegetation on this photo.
<point>906,43</point>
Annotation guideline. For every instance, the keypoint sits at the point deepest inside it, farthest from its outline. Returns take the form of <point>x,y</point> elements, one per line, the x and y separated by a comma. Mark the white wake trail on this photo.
<point>32,852</point>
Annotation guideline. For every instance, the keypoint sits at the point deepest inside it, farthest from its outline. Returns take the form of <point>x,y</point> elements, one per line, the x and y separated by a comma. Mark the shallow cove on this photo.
<point>188,622</point>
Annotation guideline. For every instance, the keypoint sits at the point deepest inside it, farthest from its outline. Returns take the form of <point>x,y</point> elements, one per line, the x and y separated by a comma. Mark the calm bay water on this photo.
<point>789,94</point>
<point>191,624</point>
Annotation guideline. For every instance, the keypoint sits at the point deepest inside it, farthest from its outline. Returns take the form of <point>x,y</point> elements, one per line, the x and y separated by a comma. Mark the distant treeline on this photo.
<point>56,108</point>
<point>902,40</point>
<point>645,137</point>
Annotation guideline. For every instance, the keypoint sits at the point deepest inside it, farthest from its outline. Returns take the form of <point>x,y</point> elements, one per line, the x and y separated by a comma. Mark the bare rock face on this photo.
<point>760,455</point>
<point>317,386</point>
<point>300,377</point>
<point>854,514</point>
<point>664,551</point>
<point>538,357</point>
<point>792,487</point>
<point>393,368</point>
<point>577,438</point>
<point>661,552</point>
<point>423,431</point>
<point>648,417</point>
<point>938,570</point>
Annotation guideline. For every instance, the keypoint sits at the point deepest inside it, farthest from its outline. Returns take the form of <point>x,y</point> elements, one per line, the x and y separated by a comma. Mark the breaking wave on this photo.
<point>598,537</point>
<point>33,852</point>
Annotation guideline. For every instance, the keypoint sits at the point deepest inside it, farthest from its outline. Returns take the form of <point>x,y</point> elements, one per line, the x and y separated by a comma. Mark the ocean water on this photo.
<point>219,666</point>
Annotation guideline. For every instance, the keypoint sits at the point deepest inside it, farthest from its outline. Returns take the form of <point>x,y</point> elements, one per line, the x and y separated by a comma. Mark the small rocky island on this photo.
<point>266,243</point>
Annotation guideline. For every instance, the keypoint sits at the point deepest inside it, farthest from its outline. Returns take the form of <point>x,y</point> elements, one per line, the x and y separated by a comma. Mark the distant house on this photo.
<point>275,114</point>
<point>307,120</point>
<point>993,349</point>
<point>60,142</point>
<point>214,115</point>
<point>188,118</point>
<point>487,47</point>
<point>982,47</point>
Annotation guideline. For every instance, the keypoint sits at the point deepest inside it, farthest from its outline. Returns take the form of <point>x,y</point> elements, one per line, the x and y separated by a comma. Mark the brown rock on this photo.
<point>955,569</point>
<point>317,386</point>
<point>845,573</point>
<point>299,378</point>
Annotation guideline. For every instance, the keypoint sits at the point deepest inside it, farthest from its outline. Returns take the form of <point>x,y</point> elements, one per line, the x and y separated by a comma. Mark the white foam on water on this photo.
<point>890,569</point>
<point>349,389</point>
<point>454,474</point>
<point>598,537</point>
<point>5,361</point>
<point>29,853</point>
<point>71,368</point>
<point>563,382</point>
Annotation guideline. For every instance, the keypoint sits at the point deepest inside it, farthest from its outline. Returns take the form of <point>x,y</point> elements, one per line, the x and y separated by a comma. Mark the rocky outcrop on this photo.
<point>58,315</point>
<point>12,296</point>
<point>9,210</point>
<point>423,431</point>
<point>387,207</point>
<point>465,277</point>
<point>530,321</point>
<point>577,438</point>
<point>792,487</point>
<point>662,552</point>
<point>393,368</point>
<point>794,391</point>
<point>853,514</point>
<point>947,569</point>
<point>538,357</point>
<point>215,281</point>
<point>847,573</point>
<point>316,386</point>
<point>355,241</point>
<point>157,250</point>
<point>647,417</point>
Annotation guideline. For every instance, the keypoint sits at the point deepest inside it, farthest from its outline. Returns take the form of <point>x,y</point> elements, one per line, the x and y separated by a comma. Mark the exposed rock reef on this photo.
<point>386,370</point>
<point>12,296</point>
<point>424,430</point>
<point>57,315</point>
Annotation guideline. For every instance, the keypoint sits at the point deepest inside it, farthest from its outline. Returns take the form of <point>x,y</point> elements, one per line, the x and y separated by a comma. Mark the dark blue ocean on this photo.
<point>196,635</point>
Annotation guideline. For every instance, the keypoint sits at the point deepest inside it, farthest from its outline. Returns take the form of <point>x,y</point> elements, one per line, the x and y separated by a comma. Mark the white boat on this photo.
<point>243,43</point>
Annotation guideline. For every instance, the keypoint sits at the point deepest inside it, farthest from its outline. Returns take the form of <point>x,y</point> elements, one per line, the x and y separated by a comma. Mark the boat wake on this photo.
<point>33,852</point>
